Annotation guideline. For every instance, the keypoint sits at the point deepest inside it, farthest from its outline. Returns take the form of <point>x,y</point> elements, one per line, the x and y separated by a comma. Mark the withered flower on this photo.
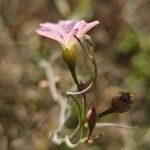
<point>121,102</point>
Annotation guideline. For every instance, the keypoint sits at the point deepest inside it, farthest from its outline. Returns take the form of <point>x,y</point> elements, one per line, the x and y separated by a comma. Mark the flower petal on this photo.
<point>50,34</point>
<point>81,25</point>
<point>64,31</point>
<point>52,26</point>
<point>67,26</point>
<point>69,38</point>
<point>88,27</point>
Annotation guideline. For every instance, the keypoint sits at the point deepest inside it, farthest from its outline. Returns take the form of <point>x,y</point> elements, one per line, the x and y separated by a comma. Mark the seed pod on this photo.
<point>121,102</point>
<point>91,120</point>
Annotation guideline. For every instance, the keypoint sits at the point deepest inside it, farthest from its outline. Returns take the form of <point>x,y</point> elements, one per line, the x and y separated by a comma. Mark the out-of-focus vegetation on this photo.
<point>122,50</point>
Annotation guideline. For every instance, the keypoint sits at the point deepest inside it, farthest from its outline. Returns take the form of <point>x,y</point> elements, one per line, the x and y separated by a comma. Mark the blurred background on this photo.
<point>122,50</point>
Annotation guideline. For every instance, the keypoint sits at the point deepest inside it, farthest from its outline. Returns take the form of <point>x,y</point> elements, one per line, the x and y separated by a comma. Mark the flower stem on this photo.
<point>79,116</point>
<point>73,73</point>
<point>104,113</point>
<point>83,114</point>
<point>92,60</point>
<point>79,87</point>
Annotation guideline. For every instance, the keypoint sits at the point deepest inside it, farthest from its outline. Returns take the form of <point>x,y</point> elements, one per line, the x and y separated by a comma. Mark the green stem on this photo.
<point>104,113</point>
<point>73,73</point>
<point>79,116</point>
<point>92,59</point>
<point>83,115</point>
<point>75,79</point>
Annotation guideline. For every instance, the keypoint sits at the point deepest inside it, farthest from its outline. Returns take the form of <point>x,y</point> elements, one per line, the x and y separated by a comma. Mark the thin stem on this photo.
<point>103,125</point>
<point>79,108</point>
<point>79,116</point>
<point>104,113</point>
<point>75,79</point>
<point>73,73</point>
<point>80,90</point>
<point>92,59</point>
<point>83,115</point>
<point>75,131</point>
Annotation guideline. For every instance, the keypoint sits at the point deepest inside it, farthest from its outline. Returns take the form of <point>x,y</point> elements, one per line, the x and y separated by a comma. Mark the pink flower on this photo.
<point>64,31</point>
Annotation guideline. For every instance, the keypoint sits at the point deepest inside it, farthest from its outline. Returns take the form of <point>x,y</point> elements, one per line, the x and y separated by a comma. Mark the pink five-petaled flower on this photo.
<point>64,31</point>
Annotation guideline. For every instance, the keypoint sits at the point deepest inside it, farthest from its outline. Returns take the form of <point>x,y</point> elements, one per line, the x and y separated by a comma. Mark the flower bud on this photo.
<point>70,56</point>
<point>91,120</point>
<point>121,102</point>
